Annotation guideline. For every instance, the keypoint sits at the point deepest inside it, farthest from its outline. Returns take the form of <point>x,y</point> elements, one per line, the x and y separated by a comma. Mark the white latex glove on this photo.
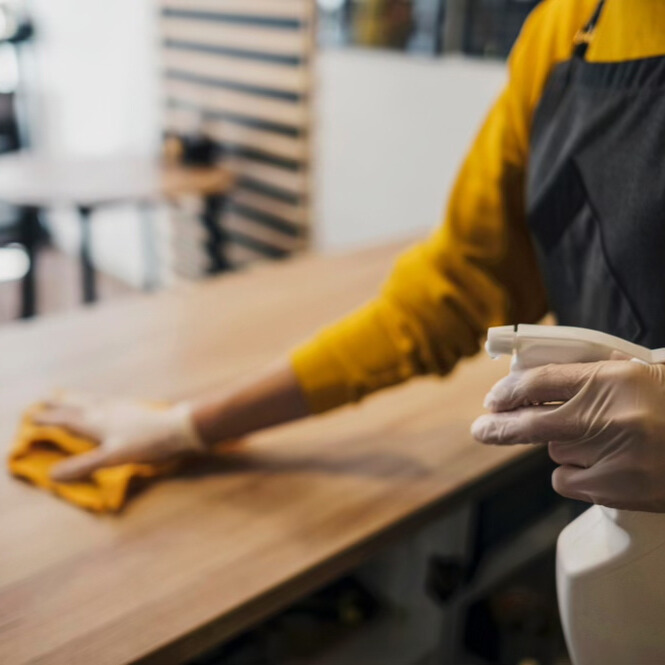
<point>607,431</point>
<point>125,430</point>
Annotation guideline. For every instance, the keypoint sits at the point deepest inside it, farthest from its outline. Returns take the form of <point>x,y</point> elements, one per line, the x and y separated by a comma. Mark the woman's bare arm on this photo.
<point>269,398</point>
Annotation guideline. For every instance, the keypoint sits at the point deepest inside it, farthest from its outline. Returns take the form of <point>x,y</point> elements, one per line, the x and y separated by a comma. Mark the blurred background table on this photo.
<point>34,181</point>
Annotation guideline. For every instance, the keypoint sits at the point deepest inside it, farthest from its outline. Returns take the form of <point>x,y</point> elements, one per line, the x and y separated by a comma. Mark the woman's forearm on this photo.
<point>270,398</point>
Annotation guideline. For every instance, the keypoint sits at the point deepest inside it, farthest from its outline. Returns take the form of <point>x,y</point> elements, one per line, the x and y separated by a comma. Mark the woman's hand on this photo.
<point>128,431</point>
<point>124,430</point>
<point>603,422</point>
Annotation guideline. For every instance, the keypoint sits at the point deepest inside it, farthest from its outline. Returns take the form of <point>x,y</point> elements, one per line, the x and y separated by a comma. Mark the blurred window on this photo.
<point>406,25</point>
<point>492,26</point>
<point>477,27</point>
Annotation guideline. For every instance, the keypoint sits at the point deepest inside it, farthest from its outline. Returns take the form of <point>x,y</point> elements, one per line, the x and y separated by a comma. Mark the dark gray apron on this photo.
<point>596,194</point>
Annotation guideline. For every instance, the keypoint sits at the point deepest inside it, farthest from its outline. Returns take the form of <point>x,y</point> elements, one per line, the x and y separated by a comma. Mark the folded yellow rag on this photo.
<point>38,448</point>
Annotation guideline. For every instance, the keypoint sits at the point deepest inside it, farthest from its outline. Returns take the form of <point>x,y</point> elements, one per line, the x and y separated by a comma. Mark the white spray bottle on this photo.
<point>610,563</point>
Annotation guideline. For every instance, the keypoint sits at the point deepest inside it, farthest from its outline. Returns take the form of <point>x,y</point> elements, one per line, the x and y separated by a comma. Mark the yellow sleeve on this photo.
<point>477,270</point>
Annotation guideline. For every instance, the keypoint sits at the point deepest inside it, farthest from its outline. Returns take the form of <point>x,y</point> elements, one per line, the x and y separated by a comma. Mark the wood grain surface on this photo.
<point>197,558</point>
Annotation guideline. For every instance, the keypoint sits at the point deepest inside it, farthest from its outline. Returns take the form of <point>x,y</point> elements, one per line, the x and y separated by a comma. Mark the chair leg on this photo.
<point>29,238</point>
<point>88,276</point>
<point>217,238</point>
<point>151,266</point>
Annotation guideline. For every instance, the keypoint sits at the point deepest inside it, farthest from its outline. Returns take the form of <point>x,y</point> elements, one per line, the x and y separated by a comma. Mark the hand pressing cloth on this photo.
<point>111,462</point>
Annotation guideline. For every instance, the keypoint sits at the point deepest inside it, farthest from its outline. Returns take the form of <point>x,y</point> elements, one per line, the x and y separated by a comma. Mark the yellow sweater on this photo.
<point>478,269</point>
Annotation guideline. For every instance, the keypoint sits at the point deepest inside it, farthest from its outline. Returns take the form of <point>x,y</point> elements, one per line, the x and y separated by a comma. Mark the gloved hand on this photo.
<point>603,422</point>
<point>125,430</point>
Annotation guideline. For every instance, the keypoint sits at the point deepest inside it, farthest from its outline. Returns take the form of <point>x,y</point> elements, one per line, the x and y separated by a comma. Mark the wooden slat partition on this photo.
<point>231,37</point>
<point>239,225</point>
<point>298,10</point>
<point>267,76</point>
<point>209,99</point>
<point>295,214</point>
<point>240,255</point>
<point>293,183</point>
<point>240,70</point>
<point>270,143</point>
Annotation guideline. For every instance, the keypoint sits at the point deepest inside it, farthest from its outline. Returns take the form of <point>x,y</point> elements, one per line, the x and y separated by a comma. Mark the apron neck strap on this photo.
<point>583,38</point>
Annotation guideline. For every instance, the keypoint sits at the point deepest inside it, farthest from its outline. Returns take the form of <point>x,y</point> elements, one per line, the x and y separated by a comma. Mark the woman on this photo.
<point>559,205</point>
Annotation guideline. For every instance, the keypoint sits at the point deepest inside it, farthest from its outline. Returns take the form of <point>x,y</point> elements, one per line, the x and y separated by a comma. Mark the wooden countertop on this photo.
<point>197,558</point>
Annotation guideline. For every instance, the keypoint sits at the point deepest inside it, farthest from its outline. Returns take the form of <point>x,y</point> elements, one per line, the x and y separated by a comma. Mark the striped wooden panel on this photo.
<point>234,38</point>
<point>292,183</point>
<point>208,98</point>
<point>243,256</point>
<point>216,69</point>
<point>296,215</point>
<point>295,10</point>
<point>289,148</point>
<point>239,225</point>
<point>240,70</point>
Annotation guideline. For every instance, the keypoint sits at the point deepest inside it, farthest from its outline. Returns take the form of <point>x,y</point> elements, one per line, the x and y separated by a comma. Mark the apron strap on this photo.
<point>583,37</point>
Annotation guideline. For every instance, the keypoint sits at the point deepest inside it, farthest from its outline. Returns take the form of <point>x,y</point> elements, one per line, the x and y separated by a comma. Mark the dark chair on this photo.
<point>18,226</point>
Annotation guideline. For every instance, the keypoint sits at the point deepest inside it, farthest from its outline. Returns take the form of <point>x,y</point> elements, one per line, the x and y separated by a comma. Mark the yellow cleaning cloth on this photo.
<point>38,448</point>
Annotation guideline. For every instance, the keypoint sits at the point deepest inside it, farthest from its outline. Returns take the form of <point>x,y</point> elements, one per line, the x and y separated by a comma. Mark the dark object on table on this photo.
<point>200,150</point>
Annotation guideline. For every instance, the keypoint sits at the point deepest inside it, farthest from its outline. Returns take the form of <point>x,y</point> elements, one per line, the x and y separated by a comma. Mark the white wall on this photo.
<point>392,132</point>
<point>96,93</point>
<point>97,62</point>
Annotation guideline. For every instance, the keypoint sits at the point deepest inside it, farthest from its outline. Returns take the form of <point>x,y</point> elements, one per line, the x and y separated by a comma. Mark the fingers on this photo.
<point>79,467</point>
<point>70,411</point>
<point>72,400</point>
<point>549,383</point>
<point>534,424</point>
<point>69,418</point>
<point>570,453</point>
<point>573,482</point>
<point>620,355</point>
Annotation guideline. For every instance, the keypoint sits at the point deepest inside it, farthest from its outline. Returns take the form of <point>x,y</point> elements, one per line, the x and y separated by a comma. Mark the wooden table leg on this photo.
<point>89,281</point>
<point>151,277</point>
